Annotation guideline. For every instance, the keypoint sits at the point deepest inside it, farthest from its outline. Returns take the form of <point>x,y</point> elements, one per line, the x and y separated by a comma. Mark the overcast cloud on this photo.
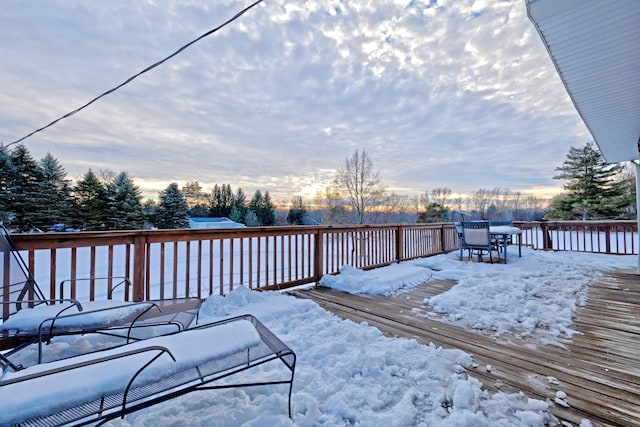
<point>457,94</point>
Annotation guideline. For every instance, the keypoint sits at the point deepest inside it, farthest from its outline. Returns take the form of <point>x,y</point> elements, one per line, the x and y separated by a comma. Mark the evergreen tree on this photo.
<point>7,174</point>
<point>197,200</point>
<point>236,215</point>
<point>267,213</point>
<point>124,204</point>
<point>263,208</point>
<point>240,203</point>
<point>434,212</point>
<point>592,190</point>
<point>91,198</point>
<point>27,200</point>
<point>149,209</point>
<point>251,220</point>
<point>215,207</point>
<point>61,204</point>
<point>561,208</point>
<point>254,207</point>
<point>173,211</point>
<point>297,212</point>
<point>222,200</point>
<point>627,182</point>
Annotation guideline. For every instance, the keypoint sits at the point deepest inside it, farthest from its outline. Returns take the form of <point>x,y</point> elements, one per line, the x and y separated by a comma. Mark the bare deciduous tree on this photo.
<point>395,208</point>
<point>532,205</point>
<point>440,195</point>
<point>481,200</point>
<point>359,185</point>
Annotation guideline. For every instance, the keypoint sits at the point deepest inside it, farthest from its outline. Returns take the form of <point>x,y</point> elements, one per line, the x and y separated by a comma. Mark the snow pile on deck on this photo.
<point>382,281</point>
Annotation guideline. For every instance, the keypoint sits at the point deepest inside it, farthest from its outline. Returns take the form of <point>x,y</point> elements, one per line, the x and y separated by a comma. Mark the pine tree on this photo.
<point>91,198</point>
<point>27,200</point>
<point>267,214</point>
<point>215,207</point>
<point>173,211</point>
<point>592,190</point>
<point>124,204</point>
<point>7,174</point>
<point>251,220</point>
<point>255,207</point>
<point>61,204</point>
<point>434,212</point>
<point>222,200</point>
<point>236,215</point>
<point>297,212</point>
<point>197,200</point>
<point>149,209</point>
<point>240,204</point>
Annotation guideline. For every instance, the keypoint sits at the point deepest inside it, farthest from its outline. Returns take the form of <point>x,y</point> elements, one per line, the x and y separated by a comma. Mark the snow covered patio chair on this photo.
<point>96,387</point>
<point>476,237</point>
<point>458,226</point>
<point>29,317</point>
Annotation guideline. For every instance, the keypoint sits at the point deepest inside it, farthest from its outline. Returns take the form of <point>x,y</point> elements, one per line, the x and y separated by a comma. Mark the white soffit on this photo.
<point>595,47</point>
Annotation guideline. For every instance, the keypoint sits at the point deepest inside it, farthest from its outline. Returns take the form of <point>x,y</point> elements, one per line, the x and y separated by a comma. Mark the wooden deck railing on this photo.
<point>605,237</point>
<point>165,264</point>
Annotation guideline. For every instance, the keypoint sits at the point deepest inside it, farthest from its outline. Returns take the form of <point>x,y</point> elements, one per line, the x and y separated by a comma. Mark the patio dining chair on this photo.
<point>458,227</point>
<point>476,237</point>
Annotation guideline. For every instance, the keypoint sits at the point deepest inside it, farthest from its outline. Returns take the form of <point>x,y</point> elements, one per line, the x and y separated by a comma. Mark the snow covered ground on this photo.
<point>349,374</point>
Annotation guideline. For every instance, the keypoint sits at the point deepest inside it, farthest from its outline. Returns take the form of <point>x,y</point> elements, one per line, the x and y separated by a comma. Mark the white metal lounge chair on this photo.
<point>94,388</point>
<point>28,316</point>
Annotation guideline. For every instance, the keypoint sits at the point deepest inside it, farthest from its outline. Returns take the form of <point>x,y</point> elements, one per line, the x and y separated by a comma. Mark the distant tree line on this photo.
<point>357,195</point>
<point>36,195</point>
<point>594,190</point>
<point>178,205</point>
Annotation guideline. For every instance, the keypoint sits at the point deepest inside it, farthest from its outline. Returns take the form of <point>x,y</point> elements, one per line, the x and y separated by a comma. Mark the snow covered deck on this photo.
<point>597,371</point>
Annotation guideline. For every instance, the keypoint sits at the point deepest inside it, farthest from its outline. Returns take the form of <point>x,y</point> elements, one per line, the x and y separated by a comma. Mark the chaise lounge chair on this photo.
<point>30,317</point>
<point>94,388</point>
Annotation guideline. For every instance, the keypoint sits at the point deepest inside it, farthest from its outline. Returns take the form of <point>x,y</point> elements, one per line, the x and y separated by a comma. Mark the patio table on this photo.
<point>503,232</point>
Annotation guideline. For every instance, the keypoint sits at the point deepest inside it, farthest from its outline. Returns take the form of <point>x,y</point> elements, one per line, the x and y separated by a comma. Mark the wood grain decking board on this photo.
<point>598,369</point>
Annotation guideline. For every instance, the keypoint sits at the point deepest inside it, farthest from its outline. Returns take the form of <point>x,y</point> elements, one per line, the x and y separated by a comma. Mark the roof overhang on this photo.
<point>595,47</point>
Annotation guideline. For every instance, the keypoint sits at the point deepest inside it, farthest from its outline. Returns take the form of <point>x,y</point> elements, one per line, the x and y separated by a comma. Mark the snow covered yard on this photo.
<point>350,374</point>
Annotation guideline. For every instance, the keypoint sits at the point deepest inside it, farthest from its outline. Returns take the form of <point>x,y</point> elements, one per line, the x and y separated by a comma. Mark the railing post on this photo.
<point>547,242</point>
<point>607,238</point>
<point>399,243</point>
<point>318,256</point>
<point>443,241</point>
<point>139,268</point>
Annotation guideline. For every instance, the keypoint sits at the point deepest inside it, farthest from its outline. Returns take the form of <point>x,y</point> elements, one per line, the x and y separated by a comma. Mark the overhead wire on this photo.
<point>130,79</point>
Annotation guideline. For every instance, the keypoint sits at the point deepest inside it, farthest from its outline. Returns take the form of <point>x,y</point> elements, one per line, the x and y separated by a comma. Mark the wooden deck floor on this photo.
<point>599,370</point>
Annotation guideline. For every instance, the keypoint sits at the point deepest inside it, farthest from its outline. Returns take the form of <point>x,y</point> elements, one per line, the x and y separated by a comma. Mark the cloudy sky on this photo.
<point>458,94</point>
